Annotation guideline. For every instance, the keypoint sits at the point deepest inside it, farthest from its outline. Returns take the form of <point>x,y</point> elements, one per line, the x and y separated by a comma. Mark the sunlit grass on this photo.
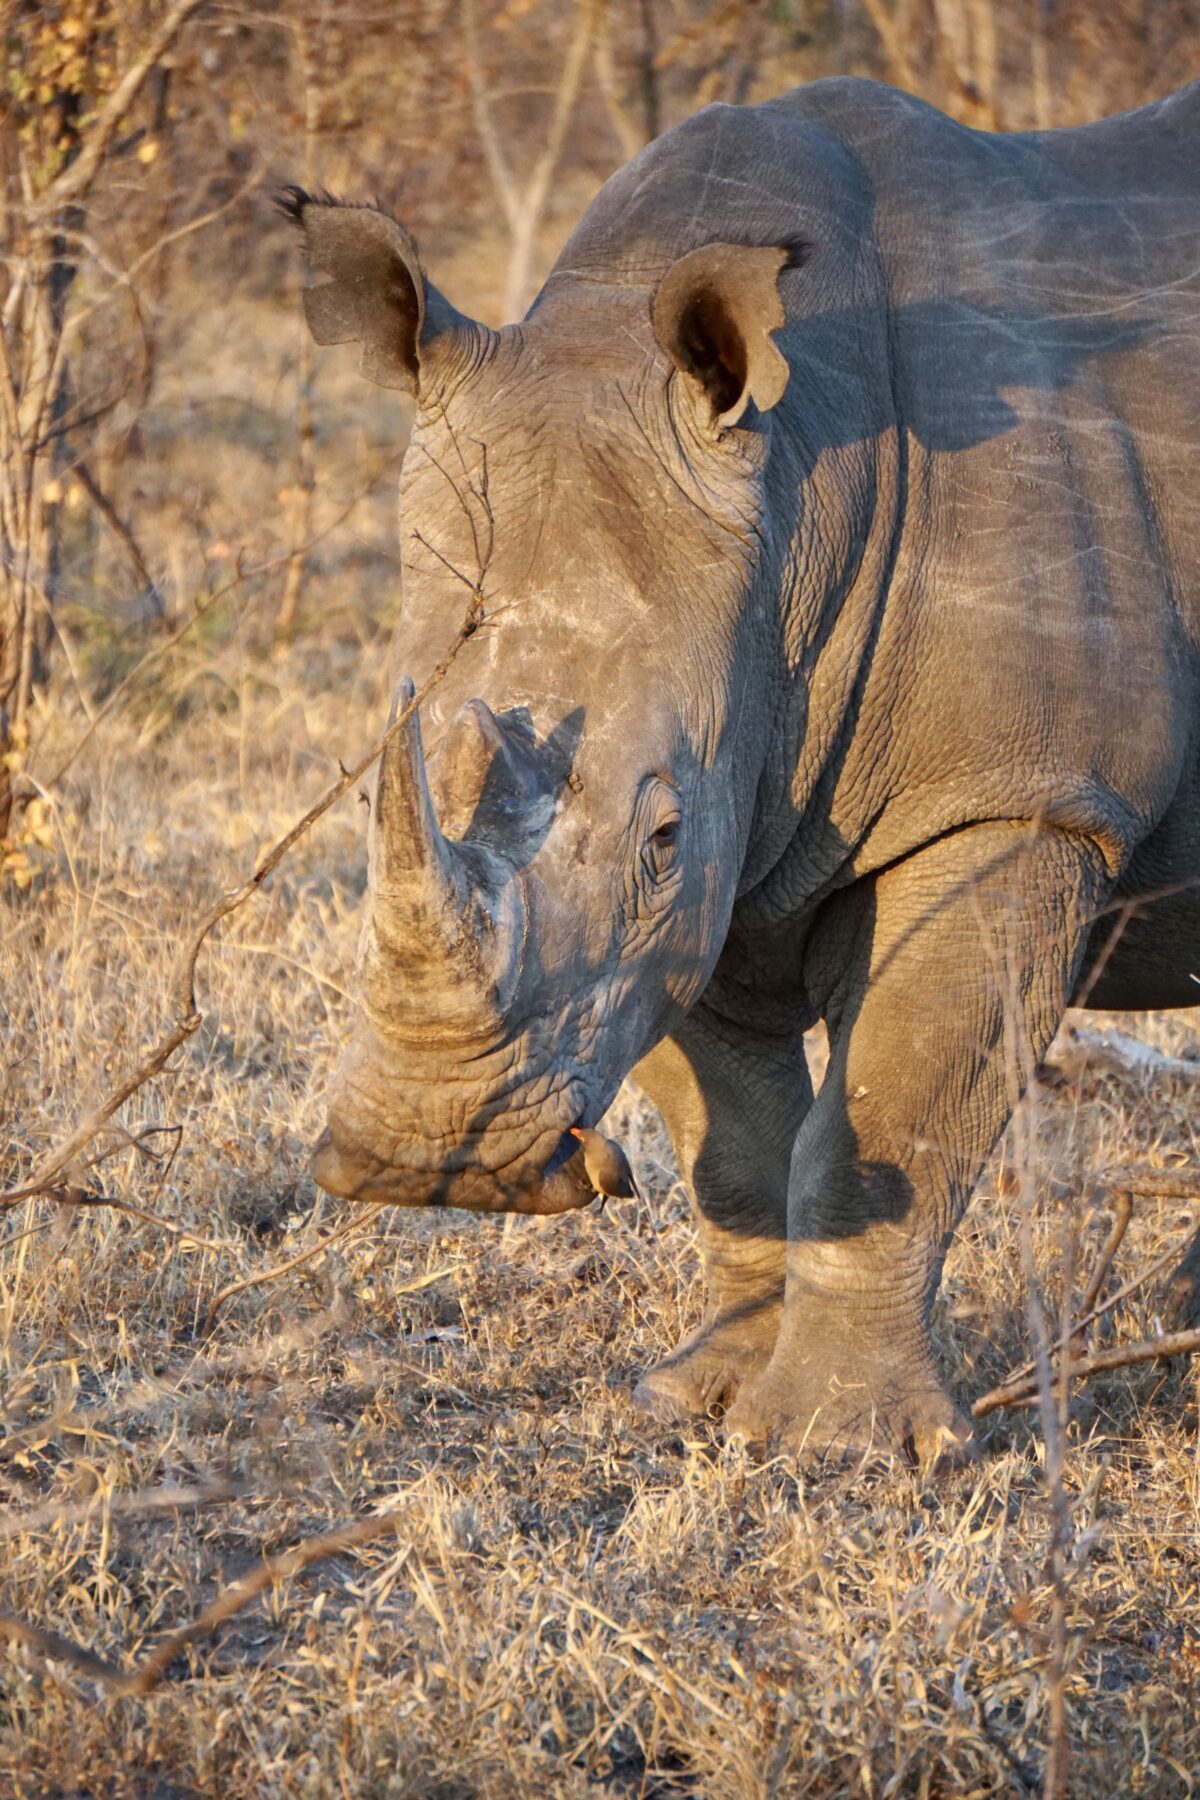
<point>578,1601</point>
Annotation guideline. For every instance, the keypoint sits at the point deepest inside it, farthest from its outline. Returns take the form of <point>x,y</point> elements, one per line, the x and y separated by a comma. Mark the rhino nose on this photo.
<point>336,1169</point>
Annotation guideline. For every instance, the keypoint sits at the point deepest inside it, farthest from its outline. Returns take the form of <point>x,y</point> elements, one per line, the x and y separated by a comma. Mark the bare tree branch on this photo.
<point>524,206</point>
<point>123,279</point>
<point>79,174</point>
<point>119,529</point>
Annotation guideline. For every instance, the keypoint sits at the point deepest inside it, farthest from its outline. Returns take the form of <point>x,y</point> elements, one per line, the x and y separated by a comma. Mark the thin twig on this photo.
<point>1112,1243</point>
<point>119,528</point>
<point>1157,1349</point>
<point>1123,1202</point>
<point>43,1180</point>
<point>146,1675</point>
<point>123,279</point>
<point>75,1196</point>
<point>188,1018</point>
<point>354,1228</point>
<point>1018,1379</point>
<point>356,1223</point>
<point>167,644</point>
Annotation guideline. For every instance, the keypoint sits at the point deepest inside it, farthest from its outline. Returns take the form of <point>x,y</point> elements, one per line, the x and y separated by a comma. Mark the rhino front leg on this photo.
<point>733,1100</point>
<point>945,979</point>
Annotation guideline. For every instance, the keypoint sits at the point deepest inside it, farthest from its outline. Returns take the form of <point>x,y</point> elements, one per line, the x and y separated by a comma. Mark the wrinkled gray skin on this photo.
<point>834,516</point>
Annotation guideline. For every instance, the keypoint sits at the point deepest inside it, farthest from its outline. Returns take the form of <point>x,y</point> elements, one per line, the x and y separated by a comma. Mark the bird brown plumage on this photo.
<point>606,1164</point>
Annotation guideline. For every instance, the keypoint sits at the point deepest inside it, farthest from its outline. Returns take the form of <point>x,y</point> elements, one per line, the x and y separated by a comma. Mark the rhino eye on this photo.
<point>661,845</point>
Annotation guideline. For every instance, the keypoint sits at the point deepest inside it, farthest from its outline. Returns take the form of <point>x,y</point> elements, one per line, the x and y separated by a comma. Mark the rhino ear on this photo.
<point>377,294</point>
<point>713,315</point>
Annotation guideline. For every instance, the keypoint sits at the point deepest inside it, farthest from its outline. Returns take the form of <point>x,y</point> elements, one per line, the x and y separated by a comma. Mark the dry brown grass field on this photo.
<point>569,1600</point>
<point>574,1600</point>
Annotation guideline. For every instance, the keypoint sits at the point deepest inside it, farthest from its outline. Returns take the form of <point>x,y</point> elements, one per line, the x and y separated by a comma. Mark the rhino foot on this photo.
<point>703,1374</point>
<point>884,1414</point>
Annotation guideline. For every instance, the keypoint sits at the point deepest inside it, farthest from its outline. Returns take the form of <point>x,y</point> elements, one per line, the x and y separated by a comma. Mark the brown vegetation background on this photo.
<point>197,585</point>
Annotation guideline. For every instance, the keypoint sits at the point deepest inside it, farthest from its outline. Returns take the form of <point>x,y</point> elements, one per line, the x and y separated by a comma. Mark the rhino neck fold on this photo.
<point>850,542</point>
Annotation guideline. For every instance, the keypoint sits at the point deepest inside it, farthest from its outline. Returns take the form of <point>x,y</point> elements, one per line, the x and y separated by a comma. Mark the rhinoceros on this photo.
<point>831,526</point>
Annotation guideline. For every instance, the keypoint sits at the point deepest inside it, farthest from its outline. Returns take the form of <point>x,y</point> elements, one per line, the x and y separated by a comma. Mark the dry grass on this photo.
<point>575,1601</point>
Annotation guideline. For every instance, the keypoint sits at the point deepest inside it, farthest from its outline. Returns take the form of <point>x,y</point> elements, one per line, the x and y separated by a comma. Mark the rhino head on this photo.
<point>556,840</point>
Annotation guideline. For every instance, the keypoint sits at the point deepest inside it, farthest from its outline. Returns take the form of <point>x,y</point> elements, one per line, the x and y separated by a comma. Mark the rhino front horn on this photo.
<point>443,938</point>
<point>409,849</point>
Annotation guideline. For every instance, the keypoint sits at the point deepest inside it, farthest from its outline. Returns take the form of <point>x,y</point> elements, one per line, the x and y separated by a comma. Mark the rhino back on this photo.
<point>1045,303</point>
<point>1016,320</point>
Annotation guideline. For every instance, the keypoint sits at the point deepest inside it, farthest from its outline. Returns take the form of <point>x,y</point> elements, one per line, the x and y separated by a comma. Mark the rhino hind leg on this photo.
<point>733,1099</point>
<point>944,978</point>
<point>1181,1301</point>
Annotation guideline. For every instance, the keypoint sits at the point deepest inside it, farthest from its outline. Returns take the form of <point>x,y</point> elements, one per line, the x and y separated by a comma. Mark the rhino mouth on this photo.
<point>352,1173</point>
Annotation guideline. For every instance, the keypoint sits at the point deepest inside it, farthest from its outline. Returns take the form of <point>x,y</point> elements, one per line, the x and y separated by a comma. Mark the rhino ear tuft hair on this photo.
<point>377,294</point>
<point>713,315</point>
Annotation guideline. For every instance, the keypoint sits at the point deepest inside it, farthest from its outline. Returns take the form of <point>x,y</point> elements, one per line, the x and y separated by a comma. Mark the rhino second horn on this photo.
<point>445,925</point>
<point>473,744</point>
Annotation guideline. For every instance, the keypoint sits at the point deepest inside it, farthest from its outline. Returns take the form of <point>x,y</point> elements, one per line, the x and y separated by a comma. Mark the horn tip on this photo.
<point>406,693</point>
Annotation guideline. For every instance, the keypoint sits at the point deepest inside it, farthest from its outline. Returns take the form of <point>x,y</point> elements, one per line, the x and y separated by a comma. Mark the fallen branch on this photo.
<point>146,1675</point>
<point>1017,1383</point>
<point>1157,1349</point>
<point>188,1018</point>
<point>1113,1052</point>
<point>53,1648</point>
<point>1178,1184</point>
<point>1089,1310</point>
<point>1161,1184</point>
